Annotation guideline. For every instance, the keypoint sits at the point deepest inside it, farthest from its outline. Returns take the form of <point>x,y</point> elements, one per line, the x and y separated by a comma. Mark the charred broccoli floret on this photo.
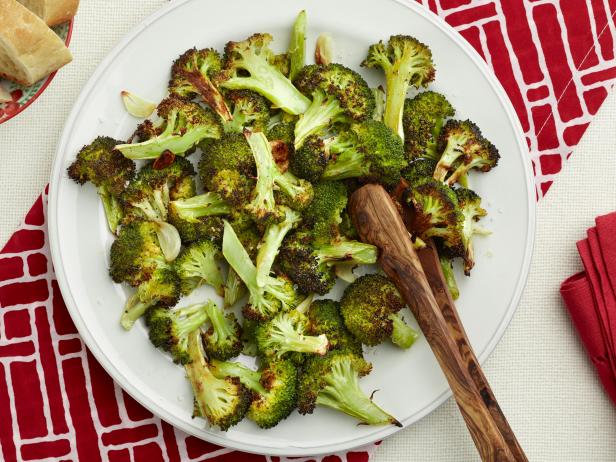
<point>198,264</point>
<point>148,195</point>
<point>436,213</point>
<point>324,214</point>
<point>104,167</point>
<point>169,328</point>
<point>324,318</point>
<point>472,212</point>
<point>333,381</point>
<point>423,120</point>
<point>406,62</point>
<point>419,170</point>
<point>370,307</point>
<point>224,402</point>
<point>254,57</point>
<point>310,160</point>
<point>463,147</point>
<point>227,167</point>
<point>249,111</point>
<point>370,151</point>
<point>199,217</point>
<point>222,339</point>
<point>264,301</point>
<point>339,95</point>
<point>138,259</point>
<point>183,124</point>
<point>191,75</point>
<point>310,265</point>
<point>263,206</point>
<point>286,333</point>
<point>274,388</point>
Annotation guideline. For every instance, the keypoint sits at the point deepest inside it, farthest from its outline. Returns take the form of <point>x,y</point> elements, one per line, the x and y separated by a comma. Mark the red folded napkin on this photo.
<point>590,298</point>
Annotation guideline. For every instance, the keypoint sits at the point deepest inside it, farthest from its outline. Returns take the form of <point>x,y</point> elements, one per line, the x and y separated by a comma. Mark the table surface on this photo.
<point>539,372</point>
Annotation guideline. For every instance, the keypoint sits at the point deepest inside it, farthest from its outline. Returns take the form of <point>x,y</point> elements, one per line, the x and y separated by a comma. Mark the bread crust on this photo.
<point>53,12</point>
<point>29,49</point>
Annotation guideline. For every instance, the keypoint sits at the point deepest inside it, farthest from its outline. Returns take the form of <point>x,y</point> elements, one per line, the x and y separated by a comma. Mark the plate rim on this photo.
<point>149,403</point>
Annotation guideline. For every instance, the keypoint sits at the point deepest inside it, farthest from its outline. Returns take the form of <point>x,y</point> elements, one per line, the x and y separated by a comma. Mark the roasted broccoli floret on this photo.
<point>470,207</point>
<point>183,124</point>
<point>463,142</point>
<point>450,277</point>
<point>324,318</point>
<point>419,170</point>
<point>199,217</point>
<point>148,195</point>
<point>104,167</point>
<point>249,111</point>
<point>423,120</point>
<point>227,167</point>
<point>169,328</point>
<point>324,214</point>
<point>254,57</point>
<point>274,388</point>
<point>310,160</point>
<point>370,307</point>
<point>339,95</point>
<point>224,402</point>
<point>406,62</point>
<point>310,265</point>
<point>333,381</point>
<point>263,207</point>
<point>249,339</point>
<point>370,151</point>
<point>286,333</point>
<point>436,213</point>
<point>137,258</point>
<point>198,264</point>
<point>191,75</point>
<point>222,339</point>
<point>297,45</point>
<point>264,301</point>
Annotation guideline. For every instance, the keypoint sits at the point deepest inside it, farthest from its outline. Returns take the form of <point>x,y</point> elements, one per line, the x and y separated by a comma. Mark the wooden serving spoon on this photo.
<point>378,222</point>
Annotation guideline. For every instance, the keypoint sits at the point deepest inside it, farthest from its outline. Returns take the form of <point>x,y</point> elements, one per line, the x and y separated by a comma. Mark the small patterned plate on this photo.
<point>25,96</point>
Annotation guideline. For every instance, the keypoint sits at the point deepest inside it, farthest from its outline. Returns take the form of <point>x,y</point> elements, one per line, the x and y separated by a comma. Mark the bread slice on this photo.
<point>52,11</point>
<point>29,50</point>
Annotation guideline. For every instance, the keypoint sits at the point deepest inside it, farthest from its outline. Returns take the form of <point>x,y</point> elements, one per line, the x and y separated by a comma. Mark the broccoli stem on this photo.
<point>292,187</point>
<point>297,45</point>
<point>349,164</point>
<point>234,288</point>
<point>348,251</point>
<point>343,393</point>
<point>319,115</point>
<point>263,202</point>
<point>203,205</point>
<point>204,269</point>
<point>286,338</point>
<point>450,277</point>
<point>222,328</point>
<point>268,81</point>
<point>113,209</point>
<point>249,378</point>
<point>403,335</point>
<point>272,240</point>
<point>189,318</point>
<point>133,310</point>
<point>394,104</point>
<point>450,154</point>
<point>379,103</point>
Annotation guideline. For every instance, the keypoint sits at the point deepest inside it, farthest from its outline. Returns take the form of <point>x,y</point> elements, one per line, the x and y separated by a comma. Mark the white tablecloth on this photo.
<point>539,372</point>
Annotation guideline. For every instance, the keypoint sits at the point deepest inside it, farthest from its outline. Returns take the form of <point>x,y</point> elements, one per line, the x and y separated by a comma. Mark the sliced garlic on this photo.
<point>345,271</point>
<point>169,240</point>
<point>324,52</point>
<point>5,96</point>
<point>137,106</point>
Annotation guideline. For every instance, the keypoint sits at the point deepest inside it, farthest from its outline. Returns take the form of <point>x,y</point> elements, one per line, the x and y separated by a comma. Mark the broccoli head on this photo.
<point>287,333</point>
<point>103,166</point>
<point>222,339</point>
<point>183,124</point>
<point>472,212</point>
<point>370,151</point>
<point>252,65</point>
<point>249,111</point>
<point>419,170</point>
<point>339,95</point>
<point>422,120</point>
<point>324,214</point>
<point>169,328</point>
<point>463,147</point>
<point>199,217</point>
<point>310,160</point>
<point>406,62</point>
<point>191,75</point>
<point>223,402</point>
<point>333,381</point>
<point>198,264</point>
<point>370,307</point>
<point>324,318</point>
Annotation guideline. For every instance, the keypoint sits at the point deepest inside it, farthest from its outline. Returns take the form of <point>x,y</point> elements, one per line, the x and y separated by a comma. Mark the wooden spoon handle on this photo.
<point>378,222</point>
<point>431,265</point>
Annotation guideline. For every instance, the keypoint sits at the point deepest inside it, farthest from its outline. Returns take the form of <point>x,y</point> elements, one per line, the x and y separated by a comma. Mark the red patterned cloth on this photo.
<point>556,62</point>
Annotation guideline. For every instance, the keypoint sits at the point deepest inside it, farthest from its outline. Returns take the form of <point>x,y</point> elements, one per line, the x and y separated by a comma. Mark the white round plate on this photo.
<point>410,382</point>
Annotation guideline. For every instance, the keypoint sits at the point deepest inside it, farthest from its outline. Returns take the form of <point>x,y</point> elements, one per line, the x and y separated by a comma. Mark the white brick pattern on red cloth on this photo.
<point>56,401</point>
